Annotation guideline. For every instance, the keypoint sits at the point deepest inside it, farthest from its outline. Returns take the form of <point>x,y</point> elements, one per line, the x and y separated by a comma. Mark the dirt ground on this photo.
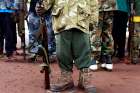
<point>20,76</point>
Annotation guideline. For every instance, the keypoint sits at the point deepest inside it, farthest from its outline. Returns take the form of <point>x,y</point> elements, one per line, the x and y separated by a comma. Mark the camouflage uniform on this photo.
<point>71,21</point>
<point>136,37</point>
<point>102,41</point>
<point>68,14</point>
<point>73,14</point>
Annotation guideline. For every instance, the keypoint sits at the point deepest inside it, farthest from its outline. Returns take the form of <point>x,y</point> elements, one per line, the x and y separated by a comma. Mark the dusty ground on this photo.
<point>20,76</point>
<point>23,77</point>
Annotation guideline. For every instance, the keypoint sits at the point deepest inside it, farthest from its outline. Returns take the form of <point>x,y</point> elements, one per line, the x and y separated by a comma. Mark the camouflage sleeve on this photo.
<point>113,4</point>
<point>94,7</point>
<point>48,4</point>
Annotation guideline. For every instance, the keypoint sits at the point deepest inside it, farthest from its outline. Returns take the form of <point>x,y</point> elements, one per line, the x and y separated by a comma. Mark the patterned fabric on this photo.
<point>73,14</point>
<point>85,76</point>
<point>101,39</point>
<point>21,4</point>
<point>106,30</point>
<point>135,47</point>
<point>33,25</point>
<point>4,4</point>
<point>136,37</point>
<point>7,4</point>
<point>107,5</point>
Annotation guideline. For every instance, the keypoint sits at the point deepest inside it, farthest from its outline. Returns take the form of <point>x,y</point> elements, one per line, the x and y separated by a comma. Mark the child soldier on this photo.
<point>71,20</point>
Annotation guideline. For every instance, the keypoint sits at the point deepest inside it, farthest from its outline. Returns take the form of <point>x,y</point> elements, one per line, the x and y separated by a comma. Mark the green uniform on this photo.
<point>71,19</point>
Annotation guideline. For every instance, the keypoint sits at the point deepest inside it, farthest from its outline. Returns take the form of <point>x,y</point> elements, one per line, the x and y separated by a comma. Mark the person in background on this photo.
<point>8,27</point>
<point>134,43</point>
<point>102,39</point>
<point>1,41</point>
<point>71,21</point>
<point>120,20</point>
<point>33,26</point>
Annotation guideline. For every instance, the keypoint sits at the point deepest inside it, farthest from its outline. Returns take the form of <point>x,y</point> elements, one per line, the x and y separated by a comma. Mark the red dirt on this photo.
<point>23,77</point>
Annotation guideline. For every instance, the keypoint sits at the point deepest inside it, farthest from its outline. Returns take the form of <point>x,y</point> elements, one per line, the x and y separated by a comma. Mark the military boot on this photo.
<point>64,82</point>
<point>85,81</point>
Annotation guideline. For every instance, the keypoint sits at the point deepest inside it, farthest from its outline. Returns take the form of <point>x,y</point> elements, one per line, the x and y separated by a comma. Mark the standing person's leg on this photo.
<point>50,32</point>
<point>13,26</point>
<point>33,26</point>
<point>63,50</point>
<point>136,44</point>
<point>8,33</point>
<point>1,41</point>
<point>65,59</point>
<point>81,49</point>
<point>107,41</point>
<point>1,35</point>
<point>115,32</point>
<point>82,57</point>
<point>122,24</point>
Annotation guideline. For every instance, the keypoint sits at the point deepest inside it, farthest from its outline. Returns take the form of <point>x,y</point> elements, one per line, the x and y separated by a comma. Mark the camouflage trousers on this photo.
<point>135,43</point>
<point>101,39</point>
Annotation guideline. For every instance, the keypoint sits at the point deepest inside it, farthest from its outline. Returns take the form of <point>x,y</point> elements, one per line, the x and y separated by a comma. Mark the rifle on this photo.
<point>42,39</point>
<point>43,49</point>
<point>44,54</point>
<point>21,24</point>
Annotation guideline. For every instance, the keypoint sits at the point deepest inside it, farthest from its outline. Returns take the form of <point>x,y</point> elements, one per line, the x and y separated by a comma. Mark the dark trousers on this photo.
<point>119,32</point>
<point>73,44</point>
<point>7,32</point>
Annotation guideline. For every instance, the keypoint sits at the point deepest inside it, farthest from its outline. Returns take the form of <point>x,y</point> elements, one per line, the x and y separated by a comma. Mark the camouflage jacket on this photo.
<point>73,14</point>
<point>107,5</point>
